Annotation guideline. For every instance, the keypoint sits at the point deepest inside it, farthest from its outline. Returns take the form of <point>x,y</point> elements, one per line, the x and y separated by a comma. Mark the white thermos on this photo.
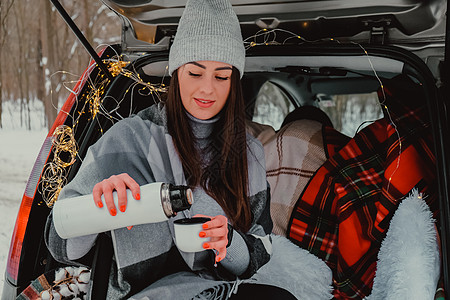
<point>80,216</point>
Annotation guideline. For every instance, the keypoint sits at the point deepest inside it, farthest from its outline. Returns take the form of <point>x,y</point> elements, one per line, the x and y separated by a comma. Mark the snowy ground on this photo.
<point>18,151</point>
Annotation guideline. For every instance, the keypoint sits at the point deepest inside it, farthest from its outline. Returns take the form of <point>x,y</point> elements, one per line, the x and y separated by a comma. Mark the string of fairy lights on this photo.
<point>386,109</point>
<point>265,37</point>
<point>64,146</point>
<point>65,149</point>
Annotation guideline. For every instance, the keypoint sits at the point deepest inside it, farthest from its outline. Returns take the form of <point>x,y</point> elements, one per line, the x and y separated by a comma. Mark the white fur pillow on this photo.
<point>408,262</point>
<point>303,274</point>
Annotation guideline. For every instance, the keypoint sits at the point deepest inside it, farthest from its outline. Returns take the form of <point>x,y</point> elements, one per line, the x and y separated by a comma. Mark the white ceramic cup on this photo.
<point>187,232</point>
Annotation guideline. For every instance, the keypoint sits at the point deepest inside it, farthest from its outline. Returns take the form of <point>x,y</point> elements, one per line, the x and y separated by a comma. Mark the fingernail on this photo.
<point>202,234</point>
<point>113,212</point>
<point>122,208</point>
<point>138,197</point>
<point>100,204</point>
<point>129,227</point>
<point>206,246</point>
<point>205,226</point>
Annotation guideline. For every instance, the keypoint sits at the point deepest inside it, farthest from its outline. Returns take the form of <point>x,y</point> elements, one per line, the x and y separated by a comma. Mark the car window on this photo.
<point>271,106</point>
<point>350,113</point>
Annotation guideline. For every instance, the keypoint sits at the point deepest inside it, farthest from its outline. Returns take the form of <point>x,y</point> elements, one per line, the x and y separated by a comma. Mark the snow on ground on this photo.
<point>32,113</point>
<point>18,151</point>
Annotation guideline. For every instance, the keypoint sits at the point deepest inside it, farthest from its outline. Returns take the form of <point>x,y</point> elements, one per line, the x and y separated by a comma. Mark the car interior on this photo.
<point>303,79</point>
<point>307,73</point>
<point>306,76</point>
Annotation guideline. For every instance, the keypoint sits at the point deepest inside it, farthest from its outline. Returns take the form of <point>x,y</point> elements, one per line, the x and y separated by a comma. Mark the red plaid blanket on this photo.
<point>344,212</point>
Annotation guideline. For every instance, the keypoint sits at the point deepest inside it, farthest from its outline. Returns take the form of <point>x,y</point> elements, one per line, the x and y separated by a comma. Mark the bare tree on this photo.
<point>38,54</point>
<point>5,8</point>
<point>20,58</point>
<point>49,58</point>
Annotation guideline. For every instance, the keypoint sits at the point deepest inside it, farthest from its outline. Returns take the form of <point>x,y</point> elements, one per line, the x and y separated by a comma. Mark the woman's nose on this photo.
<point>207,85</point>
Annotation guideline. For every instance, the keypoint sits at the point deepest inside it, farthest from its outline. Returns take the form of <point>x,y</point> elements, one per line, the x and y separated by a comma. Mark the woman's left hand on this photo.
<point>217,230</point>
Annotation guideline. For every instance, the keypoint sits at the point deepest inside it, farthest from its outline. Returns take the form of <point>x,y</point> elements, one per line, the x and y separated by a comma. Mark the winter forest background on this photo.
<point>40,58</point>
<point>40,62</point>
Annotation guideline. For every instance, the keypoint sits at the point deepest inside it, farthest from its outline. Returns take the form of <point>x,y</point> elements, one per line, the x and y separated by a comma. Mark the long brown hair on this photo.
<point>226,176</point>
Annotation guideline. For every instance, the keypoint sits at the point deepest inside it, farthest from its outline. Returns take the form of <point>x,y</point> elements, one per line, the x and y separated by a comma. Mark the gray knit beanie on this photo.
<point>208,30</point>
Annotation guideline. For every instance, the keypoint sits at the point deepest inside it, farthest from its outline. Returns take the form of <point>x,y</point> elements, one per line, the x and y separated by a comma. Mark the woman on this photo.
<point>197,138</point>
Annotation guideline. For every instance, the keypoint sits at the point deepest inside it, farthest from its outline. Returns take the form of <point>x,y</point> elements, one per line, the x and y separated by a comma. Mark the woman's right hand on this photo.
<point>119,183</point>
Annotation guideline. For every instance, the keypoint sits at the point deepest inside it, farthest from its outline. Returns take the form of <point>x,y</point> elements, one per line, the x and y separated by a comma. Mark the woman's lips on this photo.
<point>204,103</point>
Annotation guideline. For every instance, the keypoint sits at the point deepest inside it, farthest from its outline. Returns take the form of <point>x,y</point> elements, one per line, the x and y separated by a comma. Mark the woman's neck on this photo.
<point>202,129</point>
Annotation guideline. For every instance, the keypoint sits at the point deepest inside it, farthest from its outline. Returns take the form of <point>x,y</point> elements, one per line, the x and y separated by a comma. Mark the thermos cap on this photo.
<point>175,198</point>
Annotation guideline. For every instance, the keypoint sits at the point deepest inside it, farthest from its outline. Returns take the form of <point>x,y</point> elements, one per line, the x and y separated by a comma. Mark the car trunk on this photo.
<point>408,36</point>
<point>414,25</point>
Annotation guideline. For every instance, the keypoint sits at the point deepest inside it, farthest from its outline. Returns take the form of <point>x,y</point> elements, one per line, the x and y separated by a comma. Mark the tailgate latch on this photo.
<point>378,35</point>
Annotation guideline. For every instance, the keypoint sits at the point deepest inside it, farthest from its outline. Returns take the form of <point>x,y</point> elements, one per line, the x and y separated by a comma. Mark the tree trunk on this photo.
<point>40,83</point>
<point>87,19</point>
<point>341,106</point>
<point>49,51</point>
<point>1,88</point>
<point>5,7</point>
<point>26,68</point>
<point>1,91</point>
<point>20,64</point>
